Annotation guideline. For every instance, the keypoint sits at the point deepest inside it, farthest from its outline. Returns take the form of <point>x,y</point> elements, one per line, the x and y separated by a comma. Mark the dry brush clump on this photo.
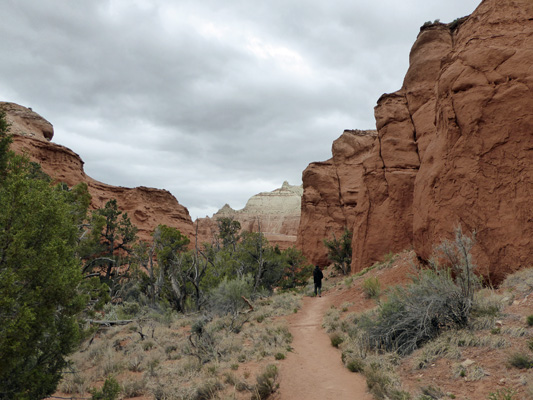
<point>187,356</point>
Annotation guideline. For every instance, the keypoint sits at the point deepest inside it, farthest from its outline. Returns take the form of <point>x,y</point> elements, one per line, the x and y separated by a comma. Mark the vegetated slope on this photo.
<point>492,356</point>
<point>453,147</point>
<point>147,207</point>
<point>163,361</point>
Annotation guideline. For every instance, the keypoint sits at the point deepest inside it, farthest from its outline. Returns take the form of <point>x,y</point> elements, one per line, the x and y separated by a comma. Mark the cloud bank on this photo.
<point>213,101</point>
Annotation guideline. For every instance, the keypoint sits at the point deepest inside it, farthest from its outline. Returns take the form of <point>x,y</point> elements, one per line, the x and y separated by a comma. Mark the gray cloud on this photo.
<point>214,101</point>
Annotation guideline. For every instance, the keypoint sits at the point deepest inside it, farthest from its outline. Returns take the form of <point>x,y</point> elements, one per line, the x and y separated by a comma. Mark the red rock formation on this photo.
<point>276,214</point>
<point>334,193</point>
<point>147,207</point>
<point>455,147</point>
<point>479,168</point>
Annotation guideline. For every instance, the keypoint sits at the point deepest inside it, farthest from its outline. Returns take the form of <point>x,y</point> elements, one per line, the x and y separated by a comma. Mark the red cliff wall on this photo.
<point>479,168</point>
<point>147,207</point>
<point>454,146</point>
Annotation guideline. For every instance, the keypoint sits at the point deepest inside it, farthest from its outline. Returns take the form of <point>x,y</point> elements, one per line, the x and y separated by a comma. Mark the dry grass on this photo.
<point>520,282</point>
<point>173,362</point>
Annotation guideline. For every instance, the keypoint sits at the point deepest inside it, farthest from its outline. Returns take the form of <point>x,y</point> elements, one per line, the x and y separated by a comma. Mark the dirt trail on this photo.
<point>314,370</point>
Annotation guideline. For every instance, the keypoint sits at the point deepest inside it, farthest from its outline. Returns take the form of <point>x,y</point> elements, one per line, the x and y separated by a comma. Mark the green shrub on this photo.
<point>340,251</point>
<point>529,320</point>
<point>110,390</point>
<point>521,361</point>
<point>503,394</point>
<point>336,339</point>
<point>226,298</point>
<point>279,356</point>
<point>355,365</point>
<point>371,288</point>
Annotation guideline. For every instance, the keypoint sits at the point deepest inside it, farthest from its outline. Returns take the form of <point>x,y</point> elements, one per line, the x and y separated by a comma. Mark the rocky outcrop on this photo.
<point>333,193</point>
<point>276,214</point>
<point>454,147</point>
<point>25,122</point>
<point>147,207</point>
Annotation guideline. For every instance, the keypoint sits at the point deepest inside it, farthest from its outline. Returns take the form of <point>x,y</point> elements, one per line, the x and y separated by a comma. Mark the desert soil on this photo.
<point>314,370</point>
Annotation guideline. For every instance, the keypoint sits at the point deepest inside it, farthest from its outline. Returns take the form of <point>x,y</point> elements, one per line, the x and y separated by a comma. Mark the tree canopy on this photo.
<point>39,277</point>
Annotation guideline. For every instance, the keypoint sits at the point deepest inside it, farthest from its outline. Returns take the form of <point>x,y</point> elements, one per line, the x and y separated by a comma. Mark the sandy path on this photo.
<point>314,370</point>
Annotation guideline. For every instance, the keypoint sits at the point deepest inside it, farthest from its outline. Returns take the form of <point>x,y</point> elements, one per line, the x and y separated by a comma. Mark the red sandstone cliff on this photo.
<point>147,207</point>
<point>276,214</point>
<point>454,146</point>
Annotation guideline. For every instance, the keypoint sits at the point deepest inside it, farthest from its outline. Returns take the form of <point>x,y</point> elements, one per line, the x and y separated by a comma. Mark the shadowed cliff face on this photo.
<point>147,207</point>
<point>454,147</point>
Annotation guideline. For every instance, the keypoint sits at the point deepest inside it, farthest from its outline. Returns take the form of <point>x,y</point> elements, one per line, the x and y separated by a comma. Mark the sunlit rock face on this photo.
<point>454,147</point>
<point>147,207</point>
<point>276,214</point>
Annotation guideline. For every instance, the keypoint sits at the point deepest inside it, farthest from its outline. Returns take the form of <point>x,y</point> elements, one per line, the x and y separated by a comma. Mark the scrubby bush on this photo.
<point>207,390</point>
<point>371,287</point>
<point>521,361</point>
<point>266,383</point>
<point>417,313</point>
<point>336,339</point>
<point>227,298</point>
<point>110,390</point>
<point>503,394</point>
<point>431,392</point>
<point>382,383</point>
<point>521,281</point>
<point>355,365</point>
<point>529,320</point>
<point>438,299</point>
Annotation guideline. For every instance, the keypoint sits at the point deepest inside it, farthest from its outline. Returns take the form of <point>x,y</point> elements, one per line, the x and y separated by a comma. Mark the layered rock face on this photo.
<point>276,214</point>
<point>454,147</point>
<point>147,207</point>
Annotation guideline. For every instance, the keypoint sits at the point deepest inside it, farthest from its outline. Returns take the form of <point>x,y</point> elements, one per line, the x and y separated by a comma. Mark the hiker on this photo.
<point>317,277</point>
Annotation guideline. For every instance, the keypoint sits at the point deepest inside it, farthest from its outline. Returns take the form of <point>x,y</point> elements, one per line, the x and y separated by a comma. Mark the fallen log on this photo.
<point>110,323</point>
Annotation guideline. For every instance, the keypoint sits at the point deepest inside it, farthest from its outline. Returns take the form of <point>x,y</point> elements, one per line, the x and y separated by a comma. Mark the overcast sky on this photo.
<point>213,100</point>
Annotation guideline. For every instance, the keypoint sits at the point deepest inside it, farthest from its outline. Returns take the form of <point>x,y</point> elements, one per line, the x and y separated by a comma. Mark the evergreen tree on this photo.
<point>340,251</point>
<point>39,278</point>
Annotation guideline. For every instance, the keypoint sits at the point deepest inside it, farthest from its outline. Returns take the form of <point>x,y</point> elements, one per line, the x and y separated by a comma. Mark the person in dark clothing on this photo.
<point>317,277</point>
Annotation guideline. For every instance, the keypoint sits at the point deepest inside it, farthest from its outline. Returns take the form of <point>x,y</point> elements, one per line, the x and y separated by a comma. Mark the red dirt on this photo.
<point>314,369</point>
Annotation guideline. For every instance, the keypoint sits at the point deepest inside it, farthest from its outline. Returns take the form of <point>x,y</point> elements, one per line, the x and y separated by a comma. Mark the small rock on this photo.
<point>516,302</point>
<point>467,363</point>
<point>499,323</point>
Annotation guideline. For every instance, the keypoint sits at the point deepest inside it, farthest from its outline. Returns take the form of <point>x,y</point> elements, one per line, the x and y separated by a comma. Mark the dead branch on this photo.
<point>249,304</point>
<point>110,323</point>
